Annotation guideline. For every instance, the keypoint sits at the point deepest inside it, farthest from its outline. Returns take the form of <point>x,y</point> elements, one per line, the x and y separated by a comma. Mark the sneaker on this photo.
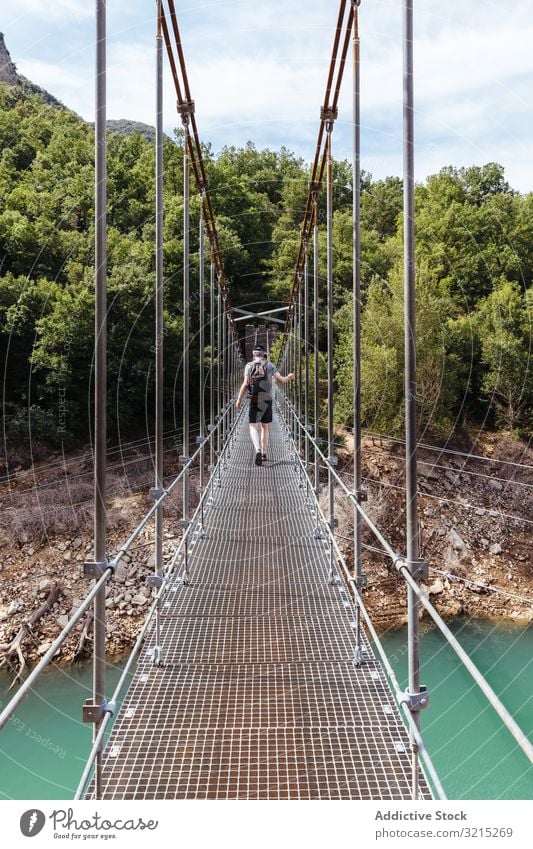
<point>263,457</point>
<point>258,459</point>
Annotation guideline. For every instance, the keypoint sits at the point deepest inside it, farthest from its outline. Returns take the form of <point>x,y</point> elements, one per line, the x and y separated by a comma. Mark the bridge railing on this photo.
<point>294,425</point>
<point>108,573</point>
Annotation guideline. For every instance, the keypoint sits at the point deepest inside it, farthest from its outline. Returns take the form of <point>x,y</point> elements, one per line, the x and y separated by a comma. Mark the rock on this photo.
<point>436,587</point>
<point>62,546</point>
<point>44,585</point>
<point>77,543</point>
<point>62,621</point>
<point>150,563</point>
<point>43,648</point>
<point>109,603</point>
<point>495,485</point>
<point>455,540</point>
<point>121,572</point>
<point>146,591</point>
<point>139,599</point>
<point>479,511</point>
<point>66,555</point>
<point>496,548</point>
<point>484,542</point>
<point>128,597</point>
<point>31,551</point>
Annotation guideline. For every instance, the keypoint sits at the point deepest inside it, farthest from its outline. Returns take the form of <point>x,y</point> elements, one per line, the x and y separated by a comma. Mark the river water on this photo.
<point>44,747</point>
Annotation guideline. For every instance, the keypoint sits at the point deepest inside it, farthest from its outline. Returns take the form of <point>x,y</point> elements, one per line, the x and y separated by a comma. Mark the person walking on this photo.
<point>258,377</point>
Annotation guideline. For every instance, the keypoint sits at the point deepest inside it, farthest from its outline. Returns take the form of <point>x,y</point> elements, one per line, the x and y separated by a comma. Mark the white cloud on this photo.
<point>258,71</point>
<point>55,10</point>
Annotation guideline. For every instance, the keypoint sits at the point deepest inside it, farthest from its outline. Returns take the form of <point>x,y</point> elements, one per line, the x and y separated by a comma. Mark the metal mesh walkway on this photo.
<point>259,697</point>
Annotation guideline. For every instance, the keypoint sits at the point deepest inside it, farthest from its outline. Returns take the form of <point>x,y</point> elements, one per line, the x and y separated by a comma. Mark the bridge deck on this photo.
<point>259,697</point>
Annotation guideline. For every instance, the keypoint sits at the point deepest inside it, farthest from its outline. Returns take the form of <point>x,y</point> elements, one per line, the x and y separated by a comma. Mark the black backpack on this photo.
<point>258,373</point>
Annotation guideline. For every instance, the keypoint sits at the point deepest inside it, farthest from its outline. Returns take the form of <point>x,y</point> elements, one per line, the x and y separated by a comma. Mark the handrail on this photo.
<point>108,572</point>
<point>110,707</point>
<point>401,566</point>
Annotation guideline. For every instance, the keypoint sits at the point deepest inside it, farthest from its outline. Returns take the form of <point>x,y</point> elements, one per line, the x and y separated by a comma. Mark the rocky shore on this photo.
<point>475,527</point>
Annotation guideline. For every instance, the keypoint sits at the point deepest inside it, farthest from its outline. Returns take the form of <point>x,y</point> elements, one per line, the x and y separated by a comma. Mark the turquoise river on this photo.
<point>44,745</point>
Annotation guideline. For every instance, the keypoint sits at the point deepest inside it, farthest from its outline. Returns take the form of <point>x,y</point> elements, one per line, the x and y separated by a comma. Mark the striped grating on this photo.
<point>259,697</point>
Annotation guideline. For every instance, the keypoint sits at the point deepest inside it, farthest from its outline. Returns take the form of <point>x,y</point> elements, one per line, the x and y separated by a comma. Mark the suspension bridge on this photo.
<point>258,673</point>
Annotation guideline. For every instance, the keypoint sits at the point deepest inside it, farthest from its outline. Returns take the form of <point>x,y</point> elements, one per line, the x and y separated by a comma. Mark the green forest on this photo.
<point>474,268</point>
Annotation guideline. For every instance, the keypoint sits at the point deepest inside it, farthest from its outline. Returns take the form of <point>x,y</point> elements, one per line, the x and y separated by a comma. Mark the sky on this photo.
<point>258,70</point>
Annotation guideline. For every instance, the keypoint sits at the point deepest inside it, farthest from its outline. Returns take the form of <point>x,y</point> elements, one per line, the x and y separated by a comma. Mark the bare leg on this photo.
<point>265,436</point>
<point>255,433</point>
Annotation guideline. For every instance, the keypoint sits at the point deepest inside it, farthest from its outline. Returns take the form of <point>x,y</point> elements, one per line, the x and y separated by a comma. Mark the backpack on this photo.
<point>258,373</point>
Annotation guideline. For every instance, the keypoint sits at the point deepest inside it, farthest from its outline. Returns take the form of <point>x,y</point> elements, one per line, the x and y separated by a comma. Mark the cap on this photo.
<point>259,349</point>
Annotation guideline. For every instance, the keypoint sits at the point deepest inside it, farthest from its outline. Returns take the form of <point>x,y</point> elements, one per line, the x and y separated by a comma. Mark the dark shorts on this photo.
<point>261,411</point>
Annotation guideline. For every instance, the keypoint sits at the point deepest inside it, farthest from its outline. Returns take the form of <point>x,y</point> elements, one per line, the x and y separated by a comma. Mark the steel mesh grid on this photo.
<point>259,698</point>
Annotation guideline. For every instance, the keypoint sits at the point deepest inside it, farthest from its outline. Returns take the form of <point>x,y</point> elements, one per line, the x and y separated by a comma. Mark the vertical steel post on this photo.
<point>212,340</point>
<point>224,377</point>
<point>306,358</point>
<point>100,379</point>
<point>357,468</point>
<point>331,432</point>
<point>159,329</point>
<point>299,363</point>
<point>201,346</point>
<point>316,388</point>
<point>219,361</point>
<point>410,365</point>
<point>186,330</point>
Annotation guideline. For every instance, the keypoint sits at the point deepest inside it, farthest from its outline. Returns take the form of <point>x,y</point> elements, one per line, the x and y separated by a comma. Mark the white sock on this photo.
<point>256,436</point>
<point>264,439</point>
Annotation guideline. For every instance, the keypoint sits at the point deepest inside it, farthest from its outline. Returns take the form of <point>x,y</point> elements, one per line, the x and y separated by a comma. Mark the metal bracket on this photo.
<point>157,656</point>
<point>356,4</point>
<point>184,459</point>
<point>184,523</point>
<point>417,701</point>
<point>95,713</point>
<point>96,568</point>
<point>418,568</point>
<point>360,495</point>
<point>211,427</point>
<point>317,534</point>
<point>328,115</point>
<point>200,440</point>
<point>333,461</point>
<point>358,656</point>
<point>155,493</point>
<point>319,440</point>
<point>185,110</point>
<point>155,581</point>
<point>211,468</point>
<point>309,428</point>
<point>332,523</point>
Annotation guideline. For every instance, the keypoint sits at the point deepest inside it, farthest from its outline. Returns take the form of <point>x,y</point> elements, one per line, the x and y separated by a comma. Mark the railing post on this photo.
<point>94,713</point>
<point>186,331</point>
<point>306,362</point>
<point>316,385</point>
<point>212,341</point>
<point>201,346</point>
<point>219,364</point>
<point>159,333</point>
<point>224,379</point>
<point>331,432</point>
<point>357,466</point>
<point>410,369</point>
